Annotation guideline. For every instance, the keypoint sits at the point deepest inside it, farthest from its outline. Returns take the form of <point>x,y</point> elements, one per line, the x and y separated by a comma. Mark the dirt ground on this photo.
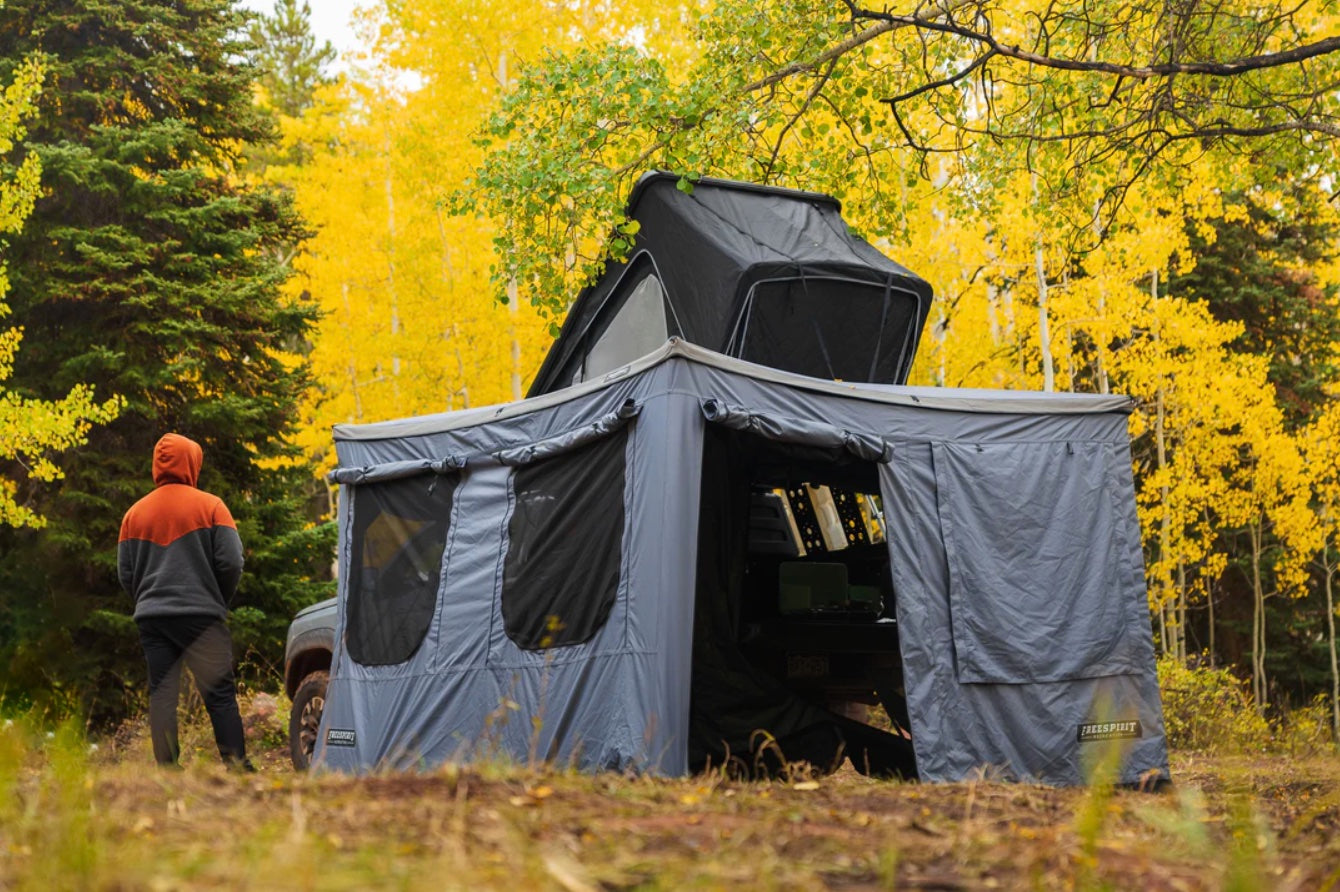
<point>1242,822</point>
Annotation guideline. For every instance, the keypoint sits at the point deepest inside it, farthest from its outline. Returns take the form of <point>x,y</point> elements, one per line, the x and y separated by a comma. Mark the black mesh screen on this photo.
<point>825,328</point>
<point>565,543</point>
<point>400,532</point>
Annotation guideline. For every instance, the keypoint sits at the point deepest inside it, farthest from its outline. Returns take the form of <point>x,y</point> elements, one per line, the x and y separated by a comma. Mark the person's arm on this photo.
<point>125,568</point>
<point>227,552</point>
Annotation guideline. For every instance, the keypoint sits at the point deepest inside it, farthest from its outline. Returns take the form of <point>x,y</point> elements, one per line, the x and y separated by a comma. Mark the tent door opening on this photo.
<point>795,652</point>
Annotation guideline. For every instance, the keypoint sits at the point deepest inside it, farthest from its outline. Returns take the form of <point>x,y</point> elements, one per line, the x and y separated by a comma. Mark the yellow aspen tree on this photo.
<point>411,323</point>
<point>32,431</point>
<point>1273,493</point>
<point>1321,448</point>
<point>782,93</point>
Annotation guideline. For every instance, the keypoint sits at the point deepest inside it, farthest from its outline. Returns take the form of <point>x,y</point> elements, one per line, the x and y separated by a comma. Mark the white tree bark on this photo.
<point>1258,619</point>
<point>1165,522</point>
<point>1329,568</point>
<point>1044,330</point>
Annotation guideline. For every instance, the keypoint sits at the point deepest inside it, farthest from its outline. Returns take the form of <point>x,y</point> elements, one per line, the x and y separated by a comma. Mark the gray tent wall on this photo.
<point>617,701</point>
<point>1014,546</point>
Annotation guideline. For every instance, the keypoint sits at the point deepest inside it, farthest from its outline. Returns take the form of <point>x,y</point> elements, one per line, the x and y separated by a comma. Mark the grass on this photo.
<point>72,817</point>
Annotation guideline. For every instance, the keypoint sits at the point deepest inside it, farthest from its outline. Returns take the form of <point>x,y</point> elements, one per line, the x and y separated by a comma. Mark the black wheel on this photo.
<point>304,721</point>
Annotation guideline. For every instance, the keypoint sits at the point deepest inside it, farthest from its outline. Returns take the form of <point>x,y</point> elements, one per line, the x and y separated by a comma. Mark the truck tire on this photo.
<point>304,721</point>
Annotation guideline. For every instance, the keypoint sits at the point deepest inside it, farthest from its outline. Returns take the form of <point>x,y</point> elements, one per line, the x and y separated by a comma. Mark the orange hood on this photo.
<point>177,459</point>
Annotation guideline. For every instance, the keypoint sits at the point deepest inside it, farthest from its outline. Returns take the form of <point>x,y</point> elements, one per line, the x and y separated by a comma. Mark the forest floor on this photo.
<point>100,816</point>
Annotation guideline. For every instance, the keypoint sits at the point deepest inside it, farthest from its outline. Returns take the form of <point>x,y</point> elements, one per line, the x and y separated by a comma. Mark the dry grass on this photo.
<point>108,820</point>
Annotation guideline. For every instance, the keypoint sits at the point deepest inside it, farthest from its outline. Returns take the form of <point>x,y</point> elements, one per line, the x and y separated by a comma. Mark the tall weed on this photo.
<point>46,805</point>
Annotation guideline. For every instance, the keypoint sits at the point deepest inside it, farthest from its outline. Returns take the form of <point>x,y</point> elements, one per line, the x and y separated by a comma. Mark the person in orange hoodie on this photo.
<point>180,559</point>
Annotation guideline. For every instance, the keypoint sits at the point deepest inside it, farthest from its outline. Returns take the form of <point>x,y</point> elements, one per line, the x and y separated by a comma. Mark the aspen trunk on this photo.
<point>993,323</point>
<point>1330,568</point>
<point>1258,621</point>
<point>1099,347</point>
<point>1044,332</point>
<point>938,331</point>
<point>1181,611</point>
<point>1209,602</point>
<point>511,283</point>
<point>1161,447</point>
<point>1163,627</point>
<point>452,332</point>
<point>353,369</point>
<point>1044,326</point>
<point>516,345</point>
<point>390,274</point>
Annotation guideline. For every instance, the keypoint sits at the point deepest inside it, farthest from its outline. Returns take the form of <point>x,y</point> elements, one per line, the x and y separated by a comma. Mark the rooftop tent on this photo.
<point>698,560</point>
<point>765,274</point>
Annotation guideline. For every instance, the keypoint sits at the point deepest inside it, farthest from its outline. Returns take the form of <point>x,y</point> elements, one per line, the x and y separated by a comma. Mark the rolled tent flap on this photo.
<point>866,447</point>
<point>566,442</point>
<point>514,456</point>
<point>396,470</point>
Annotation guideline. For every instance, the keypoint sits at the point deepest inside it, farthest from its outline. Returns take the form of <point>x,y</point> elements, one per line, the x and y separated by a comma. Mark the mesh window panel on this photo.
<point>565,546</point>
<point>830,329</point>
<point>400,532</point>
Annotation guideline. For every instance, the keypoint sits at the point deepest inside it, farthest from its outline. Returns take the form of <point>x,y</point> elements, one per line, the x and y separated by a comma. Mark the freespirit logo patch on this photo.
<point>340,737</point>
<point>1110,731</point>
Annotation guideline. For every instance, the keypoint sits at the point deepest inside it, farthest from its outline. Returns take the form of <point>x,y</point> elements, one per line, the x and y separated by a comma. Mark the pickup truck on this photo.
<point>311,641</point>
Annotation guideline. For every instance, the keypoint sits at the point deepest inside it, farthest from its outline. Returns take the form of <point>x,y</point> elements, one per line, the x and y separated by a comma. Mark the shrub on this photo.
<point>1209,710</point>
<point>1307,730</point>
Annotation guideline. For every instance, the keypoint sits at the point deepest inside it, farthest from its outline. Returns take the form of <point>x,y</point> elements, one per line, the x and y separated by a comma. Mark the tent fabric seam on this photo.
<point>539,662</point>
<point>998,402</point>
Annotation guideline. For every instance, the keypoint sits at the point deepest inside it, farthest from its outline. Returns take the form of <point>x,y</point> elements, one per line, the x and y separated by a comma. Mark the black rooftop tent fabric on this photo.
<point>745,268</point>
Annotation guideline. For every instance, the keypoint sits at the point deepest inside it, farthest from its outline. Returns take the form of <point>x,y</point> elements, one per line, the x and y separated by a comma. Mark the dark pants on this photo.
<point>203,644</point>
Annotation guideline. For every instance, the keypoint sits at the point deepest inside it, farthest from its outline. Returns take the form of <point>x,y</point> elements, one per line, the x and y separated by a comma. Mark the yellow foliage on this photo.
<point>32,430</point>
<point>410,325</point>
<point>1013,246</point>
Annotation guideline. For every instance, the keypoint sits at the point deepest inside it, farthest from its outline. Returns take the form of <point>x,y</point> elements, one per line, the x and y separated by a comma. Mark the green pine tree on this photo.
<point>290,65</point>
<point>146,269</point>
<point>1257,270</point>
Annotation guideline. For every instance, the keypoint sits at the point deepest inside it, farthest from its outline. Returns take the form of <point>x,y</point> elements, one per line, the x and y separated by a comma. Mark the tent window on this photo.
<point>399,535</point>
<point>565,545</point>
<point>829,328</point>
<point>637,329</point>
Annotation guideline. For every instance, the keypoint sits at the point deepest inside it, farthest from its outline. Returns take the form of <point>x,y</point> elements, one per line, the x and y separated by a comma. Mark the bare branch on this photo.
<point>840,49</point>
<point>944,82</point>
<point>1230,68</point>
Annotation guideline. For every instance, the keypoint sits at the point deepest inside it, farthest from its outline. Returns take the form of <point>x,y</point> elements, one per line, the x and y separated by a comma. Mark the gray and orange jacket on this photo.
<point>179,552</point>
